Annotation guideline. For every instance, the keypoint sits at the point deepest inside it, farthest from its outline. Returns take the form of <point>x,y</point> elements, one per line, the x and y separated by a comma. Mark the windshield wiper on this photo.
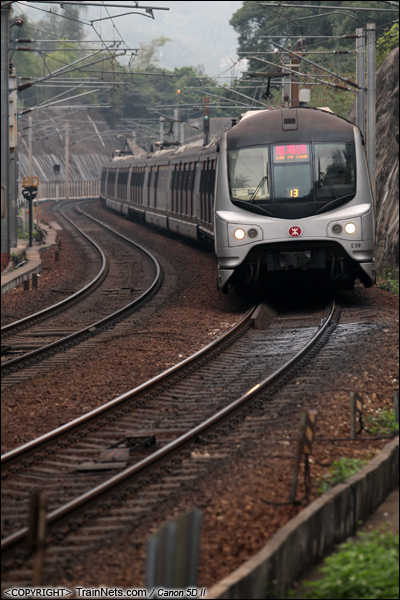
<point>334,203</point>
<point>258,187</point>
<point>250,207</point>
<point>322,177</point>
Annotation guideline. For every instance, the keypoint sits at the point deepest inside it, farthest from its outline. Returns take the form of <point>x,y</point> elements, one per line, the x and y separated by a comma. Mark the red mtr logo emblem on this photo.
<point>295,231</point>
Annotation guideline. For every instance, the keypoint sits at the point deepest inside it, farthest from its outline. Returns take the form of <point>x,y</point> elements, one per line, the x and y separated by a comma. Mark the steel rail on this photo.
<point>90,329</point>
<point>72,509</point>
<point>69,299</point>
<point>41,442</point>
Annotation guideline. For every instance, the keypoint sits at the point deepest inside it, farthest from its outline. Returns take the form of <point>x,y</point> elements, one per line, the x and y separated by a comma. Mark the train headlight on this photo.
<point>239,234</point>
<point>350,228</point>
<point>337,229</point>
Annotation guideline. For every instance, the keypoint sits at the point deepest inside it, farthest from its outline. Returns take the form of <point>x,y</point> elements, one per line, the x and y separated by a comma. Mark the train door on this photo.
<point>103,188</point>
<point>111,183</point>
<point>207,183</point>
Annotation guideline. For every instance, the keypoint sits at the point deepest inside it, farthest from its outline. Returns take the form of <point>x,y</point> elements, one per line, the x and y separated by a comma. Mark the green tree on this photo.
<point>386,44</point>
<point>48,56</point>
<point>259,25</point>
<point>148,56</point>
<point>63,23</point>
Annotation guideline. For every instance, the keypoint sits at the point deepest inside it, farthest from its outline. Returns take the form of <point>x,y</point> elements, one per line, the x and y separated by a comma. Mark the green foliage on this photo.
<point>257,23</point>
<point>16,259</point>
<point>50,56</point>
<point>390,283</point>
<point>147,58</point>
<point>383,422</point>
<point>337,100</point>
<point>340,470</point>
<point>365,569</point>
<point>185,88</point>
<point>23,235</point>
<point>386,44</point>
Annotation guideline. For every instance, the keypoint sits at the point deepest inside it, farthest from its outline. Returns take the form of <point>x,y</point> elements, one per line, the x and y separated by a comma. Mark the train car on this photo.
<point>283,190</point>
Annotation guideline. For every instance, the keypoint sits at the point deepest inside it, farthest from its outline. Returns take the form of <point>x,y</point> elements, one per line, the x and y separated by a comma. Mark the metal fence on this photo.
<point>55,190</point>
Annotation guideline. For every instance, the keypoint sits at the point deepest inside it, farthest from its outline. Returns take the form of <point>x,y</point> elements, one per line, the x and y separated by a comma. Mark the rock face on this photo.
<point>387,162</point>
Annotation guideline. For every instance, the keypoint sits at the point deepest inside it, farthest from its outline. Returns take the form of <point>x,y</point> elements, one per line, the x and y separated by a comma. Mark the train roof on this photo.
<point>193,151</point>
<point>289,124</point>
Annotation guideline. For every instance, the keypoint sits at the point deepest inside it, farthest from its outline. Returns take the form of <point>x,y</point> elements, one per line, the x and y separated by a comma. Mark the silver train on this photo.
<point>283,190</point>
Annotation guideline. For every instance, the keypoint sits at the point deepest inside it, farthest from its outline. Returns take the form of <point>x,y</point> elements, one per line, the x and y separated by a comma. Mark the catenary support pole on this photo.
<point>5,151</point>
<point>371,100</point>
<point>360,66</point>
<point>67,161</point>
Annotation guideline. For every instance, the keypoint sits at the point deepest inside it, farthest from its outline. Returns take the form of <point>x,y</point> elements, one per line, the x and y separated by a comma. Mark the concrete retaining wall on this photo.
<point>11,279</point>
<point>305,540</point>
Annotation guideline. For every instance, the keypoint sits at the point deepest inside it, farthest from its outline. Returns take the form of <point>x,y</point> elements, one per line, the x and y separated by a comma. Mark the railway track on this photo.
<point>136,444</point>
<point>60,327</point>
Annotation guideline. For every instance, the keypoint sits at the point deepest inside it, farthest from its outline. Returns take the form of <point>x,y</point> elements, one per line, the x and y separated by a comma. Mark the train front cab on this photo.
<point>251,243</point>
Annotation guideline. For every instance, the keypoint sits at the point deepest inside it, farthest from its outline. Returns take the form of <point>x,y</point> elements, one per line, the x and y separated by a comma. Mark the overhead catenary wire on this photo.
<point>318,7</point>
<point>299,55</point>
<point>299,74</point>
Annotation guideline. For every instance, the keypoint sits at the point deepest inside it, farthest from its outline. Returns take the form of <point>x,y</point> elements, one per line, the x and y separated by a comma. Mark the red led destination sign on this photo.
<point>291,152</point>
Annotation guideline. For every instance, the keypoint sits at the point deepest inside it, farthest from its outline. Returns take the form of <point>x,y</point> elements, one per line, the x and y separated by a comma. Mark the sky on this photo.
<point>200,33</point>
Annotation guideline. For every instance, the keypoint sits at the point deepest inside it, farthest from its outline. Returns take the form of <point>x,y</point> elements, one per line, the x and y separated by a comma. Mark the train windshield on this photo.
<point>248,174</point>
<point>312,176</point>
<point>292,172</point>
<point>335,172</point>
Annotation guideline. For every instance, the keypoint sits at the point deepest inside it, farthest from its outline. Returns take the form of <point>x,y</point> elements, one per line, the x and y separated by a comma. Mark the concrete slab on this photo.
<point>386,516</point>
